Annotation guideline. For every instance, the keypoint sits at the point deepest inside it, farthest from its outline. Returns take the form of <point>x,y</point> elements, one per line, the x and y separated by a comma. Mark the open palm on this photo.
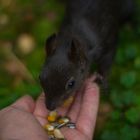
<point>83,112</point>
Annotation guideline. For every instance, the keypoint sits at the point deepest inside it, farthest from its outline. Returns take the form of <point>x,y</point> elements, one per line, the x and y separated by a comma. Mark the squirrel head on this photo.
<point>64,70</point>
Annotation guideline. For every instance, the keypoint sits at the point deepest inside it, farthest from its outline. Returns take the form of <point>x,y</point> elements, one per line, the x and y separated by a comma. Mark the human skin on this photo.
<point>25,118</point>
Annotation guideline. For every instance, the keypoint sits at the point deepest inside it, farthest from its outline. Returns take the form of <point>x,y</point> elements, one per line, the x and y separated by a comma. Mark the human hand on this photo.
<point>17,122</point>
<point>24,119</point>
<point>83,112</point>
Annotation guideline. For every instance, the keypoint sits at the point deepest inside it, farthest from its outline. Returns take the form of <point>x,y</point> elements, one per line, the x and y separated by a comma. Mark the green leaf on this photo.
<point>110,135</point>
<point>128,97</point>
<point>42,29</point>
<point>8,100</point>
<point>116,99</point>
<point>128,79</point>
<point>137,100</point>
<point>120,57</point>
<point>116,115</point>
<point>131,52</point>
<point>137,63</point>
<point>133,115</point>
<point>129,133</point>
<point>122,98</point>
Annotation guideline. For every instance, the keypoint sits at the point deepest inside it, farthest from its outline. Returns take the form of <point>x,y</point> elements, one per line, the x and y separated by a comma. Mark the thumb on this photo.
<point>25,103</point>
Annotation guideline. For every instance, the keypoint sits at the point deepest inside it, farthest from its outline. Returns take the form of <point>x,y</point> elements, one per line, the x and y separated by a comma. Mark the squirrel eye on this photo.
<point>70,84</point>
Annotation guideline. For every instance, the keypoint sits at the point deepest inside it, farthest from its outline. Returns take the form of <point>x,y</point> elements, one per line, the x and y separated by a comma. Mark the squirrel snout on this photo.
<point>51,106</point>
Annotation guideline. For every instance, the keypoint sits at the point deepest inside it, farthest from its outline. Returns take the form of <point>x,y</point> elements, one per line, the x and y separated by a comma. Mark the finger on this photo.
<point>75,108</point>
<point>65,107</point>
<point>91,79</point>
<point>62,110</point>
<point>89,109</point>
<point>40,111</point>
<point>72,134</point>
<point>25,103</point>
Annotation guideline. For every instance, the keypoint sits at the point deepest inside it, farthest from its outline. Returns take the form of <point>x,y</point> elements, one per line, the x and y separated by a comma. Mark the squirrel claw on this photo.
<point>101,81</point>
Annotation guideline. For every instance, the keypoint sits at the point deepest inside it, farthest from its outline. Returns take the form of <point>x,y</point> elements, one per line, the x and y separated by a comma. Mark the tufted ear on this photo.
<point>50,45</point>
<point>76,52</point>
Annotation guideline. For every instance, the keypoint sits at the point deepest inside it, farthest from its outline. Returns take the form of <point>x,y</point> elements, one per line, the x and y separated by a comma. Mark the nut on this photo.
<point>49,127</point>
<point>58,134</point>
<point>52,116</point>
<point>71,125</point>
<point>63,120</point>
<point>68,102</point>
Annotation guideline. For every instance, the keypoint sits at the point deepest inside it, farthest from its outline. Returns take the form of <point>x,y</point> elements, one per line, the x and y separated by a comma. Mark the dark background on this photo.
<point>24,26</point>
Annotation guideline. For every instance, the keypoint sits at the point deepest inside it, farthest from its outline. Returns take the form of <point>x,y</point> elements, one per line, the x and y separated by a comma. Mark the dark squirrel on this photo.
<point>88,35</point>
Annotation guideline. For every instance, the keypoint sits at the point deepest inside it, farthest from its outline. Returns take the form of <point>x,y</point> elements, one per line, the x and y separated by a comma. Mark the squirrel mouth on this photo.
<point>68,101</point>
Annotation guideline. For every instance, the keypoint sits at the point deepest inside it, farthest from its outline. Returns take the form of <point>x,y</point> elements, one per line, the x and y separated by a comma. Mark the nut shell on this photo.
<point>63,120</point>
<point>58,134</point>
<point>49,128</point>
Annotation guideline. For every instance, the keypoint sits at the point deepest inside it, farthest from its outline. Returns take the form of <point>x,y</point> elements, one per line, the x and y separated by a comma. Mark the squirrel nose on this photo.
<point>50,106</point>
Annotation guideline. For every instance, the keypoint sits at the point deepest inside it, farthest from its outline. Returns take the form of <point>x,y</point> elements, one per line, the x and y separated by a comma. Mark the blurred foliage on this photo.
<point>24,27</point>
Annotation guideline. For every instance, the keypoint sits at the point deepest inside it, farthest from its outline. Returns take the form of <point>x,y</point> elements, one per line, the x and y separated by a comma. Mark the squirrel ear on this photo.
<point>49,45</point>
<point>76,52</point>
<point>73,50</point>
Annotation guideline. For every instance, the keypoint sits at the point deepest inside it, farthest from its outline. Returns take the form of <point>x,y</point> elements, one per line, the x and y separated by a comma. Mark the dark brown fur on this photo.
<point>88,35</point>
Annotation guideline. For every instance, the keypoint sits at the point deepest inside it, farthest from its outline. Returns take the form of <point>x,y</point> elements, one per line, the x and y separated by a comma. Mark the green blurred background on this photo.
<point>24,27</point>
